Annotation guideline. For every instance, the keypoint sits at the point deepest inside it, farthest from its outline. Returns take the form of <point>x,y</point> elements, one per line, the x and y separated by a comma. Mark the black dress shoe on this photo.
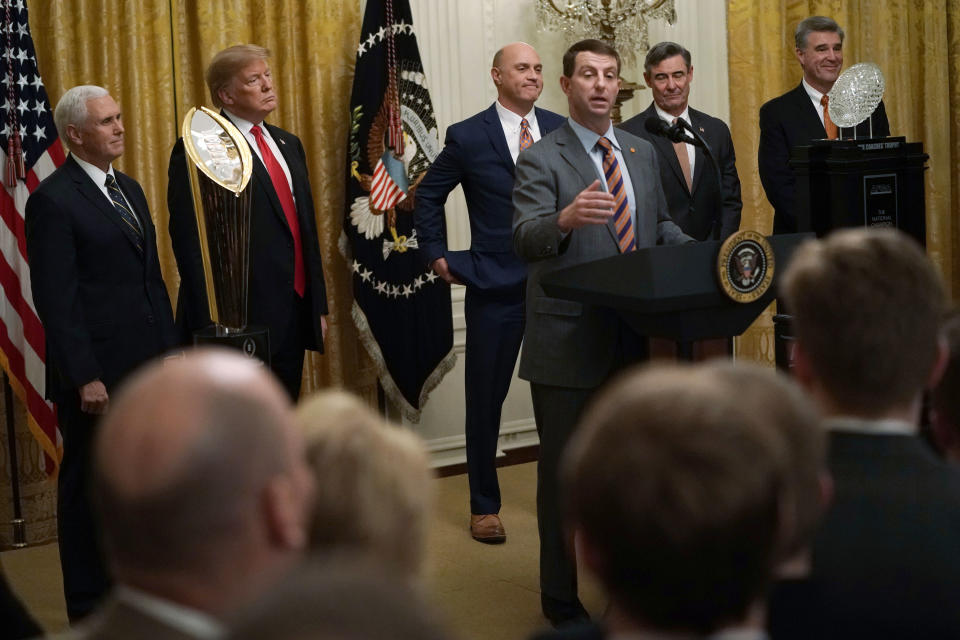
<point>561,613</point>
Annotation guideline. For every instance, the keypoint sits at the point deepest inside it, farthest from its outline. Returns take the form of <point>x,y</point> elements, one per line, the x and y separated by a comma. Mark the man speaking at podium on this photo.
<point>582,193</point>
<point>801,116</point>
<point>703,208</point>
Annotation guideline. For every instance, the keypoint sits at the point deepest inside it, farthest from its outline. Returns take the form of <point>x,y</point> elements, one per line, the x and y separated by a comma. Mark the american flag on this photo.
<point>389,185</point>
<point>28,134</point>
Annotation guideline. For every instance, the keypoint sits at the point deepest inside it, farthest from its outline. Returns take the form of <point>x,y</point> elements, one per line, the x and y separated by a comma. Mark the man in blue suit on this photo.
<point>479,154</point>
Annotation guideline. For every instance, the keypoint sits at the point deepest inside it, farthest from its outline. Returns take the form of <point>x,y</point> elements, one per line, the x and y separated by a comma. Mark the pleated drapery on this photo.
<point>915,43</point>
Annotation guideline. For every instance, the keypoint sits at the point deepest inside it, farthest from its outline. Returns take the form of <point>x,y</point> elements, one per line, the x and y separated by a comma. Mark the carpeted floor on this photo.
<point>484,591</point>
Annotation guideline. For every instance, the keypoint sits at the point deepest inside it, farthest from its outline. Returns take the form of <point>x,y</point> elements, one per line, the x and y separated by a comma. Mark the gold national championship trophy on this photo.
<point>220,166</point>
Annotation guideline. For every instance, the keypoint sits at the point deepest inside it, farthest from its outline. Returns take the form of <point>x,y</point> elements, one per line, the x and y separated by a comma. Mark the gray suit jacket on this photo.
<point>565,343</point>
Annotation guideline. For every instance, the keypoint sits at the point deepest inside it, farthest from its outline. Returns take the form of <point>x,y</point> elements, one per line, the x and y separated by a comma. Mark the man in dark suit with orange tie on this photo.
<point>479,154</point>
<point>99,293</point>
<point>801,115</point>
<point>286,291</point>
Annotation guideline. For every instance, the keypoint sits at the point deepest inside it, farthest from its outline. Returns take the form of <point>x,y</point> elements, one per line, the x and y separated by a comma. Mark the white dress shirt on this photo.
<point>190,621</point>
<point>815,97</point>
<point>244,126</point>
<point>99,177</point>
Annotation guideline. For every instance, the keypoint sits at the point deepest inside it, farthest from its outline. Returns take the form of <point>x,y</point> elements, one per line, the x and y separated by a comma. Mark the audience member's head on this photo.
<point>673,488</point>
<point>783,407</point>
<point>866,308</point>
<point>344,598</point>
<point>374,482</point>
<point>200,480</point>
<point>945,399</point>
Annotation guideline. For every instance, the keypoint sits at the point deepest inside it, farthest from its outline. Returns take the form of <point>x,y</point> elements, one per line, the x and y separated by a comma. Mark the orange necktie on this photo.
<point>622,220</point>
<point>526,138</point>
<point>827,122</point>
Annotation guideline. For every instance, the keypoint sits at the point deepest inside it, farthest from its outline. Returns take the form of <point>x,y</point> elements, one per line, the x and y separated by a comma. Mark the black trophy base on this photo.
<point>252,341</point>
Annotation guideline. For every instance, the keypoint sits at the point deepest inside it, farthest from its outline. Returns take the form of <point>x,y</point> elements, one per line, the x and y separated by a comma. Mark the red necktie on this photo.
<point>621,215</point>
<point>282,187</point>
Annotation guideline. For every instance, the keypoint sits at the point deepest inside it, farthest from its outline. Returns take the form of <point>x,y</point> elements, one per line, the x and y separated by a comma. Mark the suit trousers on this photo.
<point>286,358</point>
<point>494,333</point>
<point>85,577</point>
<point>557,411</point>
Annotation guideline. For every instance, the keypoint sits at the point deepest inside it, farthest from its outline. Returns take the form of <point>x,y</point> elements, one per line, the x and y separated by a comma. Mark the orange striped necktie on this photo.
<point>828,125</point>
<point>526,138</point>
<point>622,220</point>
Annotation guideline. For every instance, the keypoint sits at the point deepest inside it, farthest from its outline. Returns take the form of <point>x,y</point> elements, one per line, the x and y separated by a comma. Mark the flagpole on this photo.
<point>19,529</point>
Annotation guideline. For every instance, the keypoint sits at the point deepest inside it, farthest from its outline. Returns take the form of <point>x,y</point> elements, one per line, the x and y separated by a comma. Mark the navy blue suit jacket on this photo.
<point>475,155</point>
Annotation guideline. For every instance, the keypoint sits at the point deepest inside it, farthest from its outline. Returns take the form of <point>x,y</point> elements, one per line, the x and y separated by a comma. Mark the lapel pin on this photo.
<point>632,150</point>
<point>282,142</point>
<point>701,130</point>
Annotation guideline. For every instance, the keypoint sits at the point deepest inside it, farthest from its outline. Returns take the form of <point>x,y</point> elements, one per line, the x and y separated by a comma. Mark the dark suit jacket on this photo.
<point>887,555</point>
<point>475,156</point>
<point>103,306</point>
<point>709,207</point>
<point>120,620</point>
<point>567,344</point>
<point>270,293</point>
<point>786,122</point>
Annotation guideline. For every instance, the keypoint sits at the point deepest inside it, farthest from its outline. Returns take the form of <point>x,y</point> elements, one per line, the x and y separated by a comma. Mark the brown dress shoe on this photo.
<point>487,528</point>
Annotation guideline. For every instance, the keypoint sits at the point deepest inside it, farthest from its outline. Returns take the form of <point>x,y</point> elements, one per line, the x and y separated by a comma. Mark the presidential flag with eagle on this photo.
<point>401,308</point>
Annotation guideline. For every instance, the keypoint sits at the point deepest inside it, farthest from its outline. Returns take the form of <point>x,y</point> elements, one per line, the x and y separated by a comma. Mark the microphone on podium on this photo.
<point>660,127</point>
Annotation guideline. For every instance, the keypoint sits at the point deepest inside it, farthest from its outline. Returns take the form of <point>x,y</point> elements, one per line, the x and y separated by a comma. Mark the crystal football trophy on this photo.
<point>855,95</point>
<point>220,166</point>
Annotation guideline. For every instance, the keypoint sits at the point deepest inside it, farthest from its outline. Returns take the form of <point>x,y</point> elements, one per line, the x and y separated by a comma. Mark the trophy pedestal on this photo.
<point>861,183</point>
<point>253,341</point>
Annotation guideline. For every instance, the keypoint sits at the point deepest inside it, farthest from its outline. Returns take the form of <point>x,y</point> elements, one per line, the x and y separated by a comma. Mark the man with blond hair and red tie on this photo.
<point>286,291</point>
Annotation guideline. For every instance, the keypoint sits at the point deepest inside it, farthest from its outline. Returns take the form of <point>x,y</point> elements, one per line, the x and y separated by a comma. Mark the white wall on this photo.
<point>457,41</point>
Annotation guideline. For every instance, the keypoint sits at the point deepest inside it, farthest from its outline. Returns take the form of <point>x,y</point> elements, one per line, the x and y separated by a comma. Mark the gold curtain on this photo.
<point>915,43</point>
<point>151,57</point>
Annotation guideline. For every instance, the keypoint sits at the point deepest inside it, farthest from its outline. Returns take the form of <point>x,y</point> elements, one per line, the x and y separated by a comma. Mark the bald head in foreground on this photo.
<point>202,488</point>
